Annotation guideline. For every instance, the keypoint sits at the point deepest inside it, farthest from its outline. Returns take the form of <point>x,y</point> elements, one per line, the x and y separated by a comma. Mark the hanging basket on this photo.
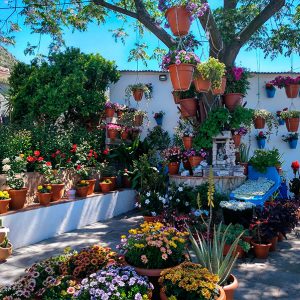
<point>109,112</point>
<point>138,120</point>
<point>138,94</point>
<point>259,123</point>
<point>181,76</point>
<point>179,20</point>
<point>292,124</point>
<point>292,90</point>
<point>232,100</point>
<point>112,133</point>
<point>176,97</point>
<point>202,85</point>
<point>188,107</point>
<point>221,90</point>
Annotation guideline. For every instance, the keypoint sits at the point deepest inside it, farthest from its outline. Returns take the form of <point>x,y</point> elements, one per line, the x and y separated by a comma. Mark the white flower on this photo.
<point>147,201</point>
<point>18,158</point>
<point>6,168</point>
<point>148,194</point>
<point>236,205</point>
<point>186,204</point>
<point>177,200</point>
<point>180,189</point>
<point>170,198</point>
<point>5,161</point>
<point>136,204</point>
<point>153,213</point>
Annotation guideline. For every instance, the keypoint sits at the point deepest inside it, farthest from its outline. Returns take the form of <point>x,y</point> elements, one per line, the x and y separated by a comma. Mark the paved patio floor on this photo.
<point>277,277</point>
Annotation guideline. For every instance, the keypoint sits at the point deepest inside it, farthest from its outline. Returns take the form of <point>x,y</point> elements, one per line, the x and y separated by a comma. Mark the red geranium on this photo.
<point>295,166</point>
<point>48,164</point>
<point>37,153</point>
<point>106,151</point>
<point>31,159</point>
<point>40,158</point>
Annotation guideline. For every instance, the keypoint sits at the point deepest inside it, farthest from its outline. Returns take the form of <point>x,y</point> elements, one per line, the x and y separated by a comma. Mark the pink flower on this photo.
<point>144,259</point>
<point>164,256</point>
<point>71,290</point>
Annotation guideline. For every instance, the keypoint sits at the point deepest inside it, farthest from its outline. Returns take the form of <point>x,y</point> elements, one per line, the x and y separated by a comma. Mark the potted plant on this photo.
<point>279,118</point>
<point>5,250</point>
<point>44,194</point>
<point>14,169</point>
<point>261,117</point>
<point>181,65</point>
<point>109,109</point>
<point>294,184</point>
<point>3,232</point>
<point>237,135</point>
<point>82,188</point>
<point>270,90</point>
<point>244,157</point>
<point>188,103</point>
<point>292,139</point>
<point>109,172</point>
<point>105,185</point>
<point>139,117</point>
<point>4,202</point>
<point>151,202</point>
<point>113,130</point>
<point>159,117</point>
<point>185,131</point>
<point>209,75</point>
<point>120,109</point>
<point>291,118</point>
<point>176,283</point>
<point>124,133</point>
<point>126,178</point>
<point>263,159</point>
<point>173,157</point>
<point>290,84</point>
<point>180,14</point>
<point>236,86</point>
<point>261,139</point>
<point>195,157</point>
<point>132,286</point>
<point>138,90</point>
<point>86,173</point>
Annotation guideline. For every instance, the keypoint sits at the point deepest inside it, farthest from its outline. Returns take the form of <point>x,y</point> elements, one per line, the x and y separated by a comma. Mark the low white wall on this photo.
<point>32,226</point>
<point>163,100</point>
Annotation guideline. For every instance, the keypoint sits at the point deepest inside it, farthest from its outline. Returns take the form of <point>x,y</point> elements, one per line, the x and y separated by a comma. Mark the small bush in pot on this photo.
<point>262,117</point>
<point>262,159</point>
<point>5,249</point>
<point>44,194</point>
<point>4,201</point>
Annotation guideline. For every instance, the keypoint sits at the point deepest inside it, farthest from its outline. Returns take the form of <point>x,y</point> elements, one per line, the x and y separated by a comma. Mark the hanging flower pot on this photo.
<point>270,92</point>
<point>138,120</point>
<point>188,107</point>
<point>221,90</point>
<point>292,90</point>
<point>261,143</point>
<point>173,168</point>
<point>112,133</point>
<point>109,112</point>
<point>187,142</point>
<point>176,97</point>
<point>259,123</point>
<point>195,161</point>
<point>58,191</point>
<point>138,94</point>
<point>202,85</point>
<point>124,135</point>
<point>4,205</point>
<point>181,76</point>
<point>281,121</point>
<point>18,198</point>
<point>293,143</point>
<point>237,140</point>
<point>232,100</point>
<point>179,20</point>
<point>159,121</point>
<point>292,124</point>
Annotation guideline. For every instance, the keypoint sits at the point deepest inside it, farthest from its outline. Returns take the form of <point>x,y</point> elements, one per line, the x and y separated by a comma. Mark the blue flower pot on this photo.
<point>159,121</point>
<point>261,143</point>
<point>293,143</point>
<point>281,121</point>
<point>270,93</point>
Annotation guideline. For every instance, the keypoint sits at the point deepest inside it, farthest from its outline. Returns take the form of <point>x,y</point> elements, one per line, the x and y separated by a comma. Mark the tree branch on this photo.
<point>230,4</point>
<point>270,10</point>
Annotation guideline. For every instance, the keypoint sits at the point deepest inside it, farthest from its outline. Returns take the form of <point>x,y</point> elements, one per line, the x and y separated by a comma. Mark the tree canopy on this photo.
<point>270,25</point>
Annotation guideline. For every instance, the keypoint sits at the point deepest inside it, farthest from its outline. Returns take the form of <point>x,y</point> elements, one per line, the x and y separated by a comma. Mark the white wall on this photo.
<point>163,100</point>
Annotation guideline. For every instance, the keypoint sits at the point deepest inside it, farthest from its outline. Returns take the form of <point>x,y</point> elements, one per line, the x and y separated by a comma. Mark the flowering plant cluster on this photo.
<point>189,281</point>
<point>121,107</point>
<point>240,131</point>
<point>159,114</point>
<point>106,181</point>
<point>184,129</point>
<point>193,152</point>
<point>295,167</point>
<point>34,160</point>
<point>279,112</point>
<point>14,168</point>
<point>180,198</point>
<point>237,80</point>
<point>4,195</point>
<point>283,81</point>
<point>152,203</point>
<point>290,114</point>
<point>290,137</point>
<point>115,283</point>
<point>109,104</point>
<point>44,189</point>
<point>111,126</point>
<point>172,154</point>
<point>270,86</point>
<point>261,136</point>
<point>153,246</point>
<point>236,205</point>
<point>179,57</point>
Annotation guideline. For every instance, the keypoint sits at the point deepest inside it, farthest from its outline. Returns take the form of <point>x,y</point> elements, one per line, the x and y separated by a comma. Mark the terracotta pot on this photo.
<point>109,112</point>
<point>259,123</point>
<point>18,198</point>
<point>292,90</point>
<point>188,107</point>
<point>195,161</point>
<point>202,85</point>
<point>239,250</point>
<point>261,250</point>
<point>91,186</point>
<point>126,182</point>
<point>4,205</point>
<point>245,165</point>
<point>173,168</point>
<point>280,237</point>
<point>138,120</point>
<point>181,76</point>
<point>58,191</point>
<point>186,164</point>
<point>124,135</point>
<point>44,198</point>
<point>120,113</point>
<point>179,20</point>
<point>232,100</point>
<point>221,90</point>
<point>187,142</point>
<point>105,188</point>
<point>113,180</point>
<point>274,241</point>
<point>176,97</point>
<point>112,133</point>
<point>237,140</point>
<point>292,124</point>
<point>138,94</point>
<point>230,288</point>
<point>222,296</point>
<point>82,191</point>
<point>5,253</point>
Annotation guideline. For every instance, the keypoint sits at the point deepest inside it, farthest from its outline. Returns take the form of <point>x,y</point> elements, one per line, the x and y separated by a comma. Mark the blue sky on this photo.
<point>98,39</point>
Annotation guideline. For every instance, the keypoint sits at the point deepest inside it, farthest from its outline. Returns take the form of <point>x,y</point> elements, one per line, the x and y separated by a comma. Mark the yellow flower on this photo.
<point>123,236</point>
<point>40,187</point>
<point>82,181</point>
<point>49,187</point>
<point>21,155</point>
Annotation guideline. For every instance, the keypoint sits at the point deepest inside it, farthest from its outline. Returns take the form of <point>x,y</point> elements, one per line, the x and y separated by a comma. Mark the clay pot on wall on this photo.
<point>188,107</point>
<point>58,191</point>
<point>44,198</point>
<point>232,100</point>
<point>202,85</point>
<point>18,198</point>
<point>292,90</point>
<point>138,94</point>
<point>4,205</point>
<point>179,20</point>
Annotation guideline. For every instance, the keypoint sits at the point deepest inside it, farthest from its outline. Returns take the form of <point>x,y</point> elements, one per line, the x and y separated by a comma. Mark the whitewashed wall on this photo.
<point>162,100</point>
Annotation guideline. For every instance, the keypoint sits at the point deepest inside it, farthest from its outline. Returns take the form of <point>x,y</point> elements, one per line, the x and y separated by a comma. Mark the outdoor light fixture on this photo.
<point>163,77</point>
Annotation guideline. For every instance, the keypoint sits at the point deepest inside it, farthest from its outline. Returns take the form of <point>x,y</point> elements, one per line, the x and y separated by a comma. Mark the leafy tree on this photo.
<point>70,86</point>
<point>271,25</point>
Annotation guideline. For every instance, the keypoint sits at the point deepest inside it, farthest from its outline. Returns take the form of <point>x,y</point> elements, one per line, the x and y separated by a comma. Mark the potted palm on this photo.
<point>292,139</point>
<point>181,65</point>
<point>291,118</point>
<point>14,169</point>
<point>4,202</point>
<point>291,85</point>
<point>44,194</point>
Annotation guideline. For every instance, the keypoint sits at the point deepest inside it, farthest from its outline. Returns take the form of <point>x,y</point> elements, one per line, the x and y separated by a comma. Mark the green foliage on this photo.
<point>262,159</point>
<point>71,85</point>
<point>244,153</point>
<point>241,116</point>
<point>158,138</point>
<point>214,123</point>
<point>237,84</point>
